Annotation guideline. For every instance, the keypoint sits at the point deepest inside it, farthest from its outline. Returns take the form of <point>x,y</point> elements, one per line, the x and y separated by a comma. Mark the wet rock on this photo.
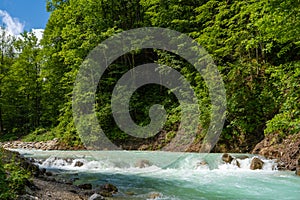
<point>142,163</point>
<point>201,163</point>
<point>106,194</point>
<point>236,163</point>
<point>297,171</point>
<point>96,197</point>
<point>29,165</point>
<point>280,165</point>
<point>78,164</point>
<point>43,171</point>
<point>109,187</point>
<point>227,158</point>
<point>298,167</point>
<point>48,173</point>
<point>107,190</point>
<point>69,160</point>
<point>256,163</point>
<point>86,186</point>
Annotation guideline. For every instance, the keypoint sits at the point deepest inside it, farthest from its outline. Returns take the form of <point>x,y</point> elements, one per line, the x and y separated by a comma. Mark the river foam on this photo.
<point>184,176</point>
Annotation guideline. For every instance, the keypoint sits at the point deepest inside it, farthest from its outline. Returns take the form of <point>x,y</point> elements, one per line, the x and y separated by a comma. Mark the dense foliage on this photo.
<point>255,45</point>
<point>13,177</point>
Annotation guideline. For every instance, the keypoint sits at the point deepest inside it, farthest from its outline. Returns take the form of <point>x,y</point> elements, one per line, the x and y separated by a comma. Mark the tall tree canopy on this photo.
<point>255,45</point>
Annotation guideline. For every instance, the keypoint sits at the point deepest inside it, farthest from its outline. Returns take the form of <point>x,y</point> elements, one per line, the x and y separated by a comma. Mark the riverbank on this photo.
<point>50,189</point>
<point>54,144</point>
<point>285,150</point>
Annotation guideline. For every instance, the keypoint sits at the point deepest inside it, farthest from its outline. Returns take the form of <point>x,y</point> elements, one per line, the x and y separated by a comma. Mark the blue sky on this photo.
<point>23,15</point>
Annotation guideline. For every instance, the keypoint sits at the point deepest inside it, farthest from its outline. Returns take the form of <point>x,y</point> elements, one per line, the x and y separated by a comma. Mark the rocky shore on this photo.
<point>54,144</point>
<point>46,185</point>
<point>286,151</point>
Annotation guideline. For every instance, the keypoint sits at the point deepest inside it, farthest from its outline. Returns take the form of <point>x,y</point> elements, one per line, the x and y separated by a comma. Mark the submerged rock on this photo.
<point>142,163</point>
<point>242,157</point>
<point>256,163</point>
<point>201,163</point>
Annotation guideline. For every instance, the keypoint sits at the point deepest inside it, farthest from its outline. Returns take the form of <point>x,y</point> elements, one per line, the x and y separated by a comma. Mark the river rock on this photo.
<point>201,163</point>
<point>86,186</point>
<point>107,190</point>
<point>227,158</point>
<point>256,163</point>
<point>78,164</point>
<point>96,197</point>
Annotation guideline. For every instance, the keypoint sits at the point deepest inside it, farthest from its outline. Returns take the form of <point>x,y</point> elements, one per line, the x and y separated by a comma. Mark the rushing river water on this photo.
<point>180,176</point>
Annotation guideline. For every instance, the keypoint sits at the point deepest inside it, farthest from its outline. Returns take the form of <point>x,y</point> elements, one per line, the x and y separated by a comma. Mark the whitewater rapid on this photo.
<point>183,176</point>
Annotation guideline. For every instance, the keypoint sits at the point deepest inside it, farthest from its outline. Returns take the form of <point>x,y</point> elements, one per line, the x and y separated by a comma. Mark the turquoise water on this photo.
<point>180,176</point>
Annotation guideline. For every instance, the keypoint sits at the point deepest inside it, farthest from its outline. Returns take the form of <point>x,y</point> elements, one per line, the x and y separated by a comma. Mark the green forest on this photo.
<point>255,45</point>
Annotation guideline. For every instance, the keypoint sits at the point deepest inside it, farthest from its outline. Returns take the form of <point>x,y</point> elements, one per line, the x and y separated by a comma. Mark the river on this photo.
<point>171,176</point>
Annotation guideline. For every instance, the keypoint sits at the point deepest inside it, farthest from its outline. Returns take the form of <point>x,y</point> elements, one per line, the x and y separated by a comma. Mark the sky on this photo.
<point>20,15</point>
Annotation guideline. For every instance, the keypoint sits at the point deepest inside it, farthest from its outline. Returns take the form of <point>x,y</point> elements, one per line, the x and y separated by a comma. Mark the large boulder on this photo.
<point>256,163</point>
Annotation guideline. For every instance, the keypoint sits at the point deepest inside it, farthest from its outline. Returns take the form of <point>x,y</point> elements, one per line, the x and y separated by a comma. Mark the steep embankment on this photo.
<point>285,149</point>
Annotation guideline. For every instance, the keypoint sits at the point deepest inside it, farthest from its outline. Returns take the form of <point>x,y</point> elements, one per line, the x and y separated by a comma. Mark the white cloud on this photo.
<point>12,25</point>
<point>38,33</point>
